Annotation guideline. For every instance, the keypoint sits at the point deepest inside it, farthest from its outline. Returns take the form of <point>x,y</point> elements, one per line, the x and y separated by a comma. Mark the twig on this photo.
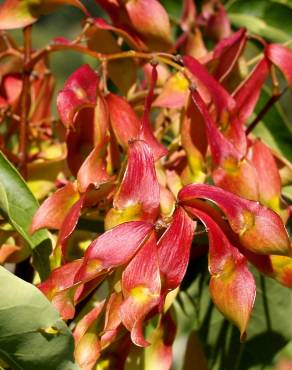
<point>10,51</point>
<point>79,38</point>
<point>273,99</point>
<point>140,95</point>
<point>161,57</point>
<point>275,82</point>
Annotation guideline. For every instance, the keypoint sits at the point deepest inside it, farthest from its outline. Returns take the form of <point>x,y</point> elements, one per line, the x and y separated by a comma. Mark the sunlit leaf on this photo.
<point>32,335</point>
<point>18,205</point>
<point>267,18</point>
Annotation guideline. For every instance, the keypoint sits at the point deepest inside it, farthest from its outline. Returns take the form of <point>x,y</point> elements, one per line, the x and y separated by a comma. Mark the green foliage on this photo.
<point>32,335</point>
<point>270,19</point>
<point>18,205</point>
<point>275,128</point>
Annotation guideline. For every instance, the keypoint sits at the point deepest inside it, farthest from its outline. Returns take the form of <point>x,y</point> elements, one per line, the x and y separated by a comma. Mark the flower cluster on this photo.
<point>152,147</point>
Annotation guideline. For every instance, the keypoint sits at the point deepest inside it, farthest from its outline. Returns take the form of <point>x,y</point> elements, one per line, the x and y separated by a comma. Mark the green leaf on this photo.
<point>32,334</point>
<point>18,205</point>
<point>287,191</point>
<point>270,19</point>
<point>274,129</point>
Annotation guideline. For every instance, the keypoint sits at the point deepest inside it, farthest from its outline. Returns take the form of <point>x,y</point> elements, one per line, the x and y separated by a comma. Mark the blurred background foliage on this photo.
<point>205,339</point>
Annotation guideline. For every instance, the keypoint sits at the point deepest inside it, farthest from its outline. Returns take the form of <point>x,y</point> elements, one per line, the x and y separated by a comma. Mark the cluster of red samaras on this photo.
<point>147,176</point>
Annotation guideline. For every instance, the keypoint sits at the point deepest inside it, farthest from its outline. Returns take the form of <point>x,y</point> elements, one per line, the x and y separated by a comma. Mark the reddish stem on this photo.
<point>25,101</point>
<point>162,57</point>
<point>273,99</point>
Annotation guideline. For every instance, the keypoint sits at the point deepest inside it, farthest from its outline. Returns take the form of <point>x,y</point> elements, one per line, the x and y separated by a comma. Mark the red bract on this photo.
<point>282,270</point>
<point>232,172</point>
<point>260,229</point>
<point>217,26</point>
<point>221,147</point>
<point>54,210</point>
<point>112,249</point>
<point>226,54</point>
<point>193,132</point>
<point>112,319</point>
<point>87,346</point>
<point>151,165</point>
<point>80,91</point>
<point>268,177</point>
<point>84,112</point>
<point>223,101</point>
<point>11,89</point>
<point>232,286</point>
<point>188,15</point>
<point>246,96</point>
<point>281,56</point>
<point>151,21</point>
<point>90,130</point>
<point>129,202</point>
<point>174,92</point>
<point>146,133</point>
<point>124,121</point>
<point>141,289</point>
<point>174,250</point>
<point>147,19</point>
<point>69,224</point>
<point>136,18</point>
<point>93,170</point>
<point>58,288</point>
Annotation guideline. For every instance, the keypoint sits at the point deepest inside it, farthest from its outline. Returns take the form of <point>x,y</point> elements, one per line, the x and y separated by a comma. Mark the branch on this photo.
<point>161,57</point>
<point>273,99</point>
